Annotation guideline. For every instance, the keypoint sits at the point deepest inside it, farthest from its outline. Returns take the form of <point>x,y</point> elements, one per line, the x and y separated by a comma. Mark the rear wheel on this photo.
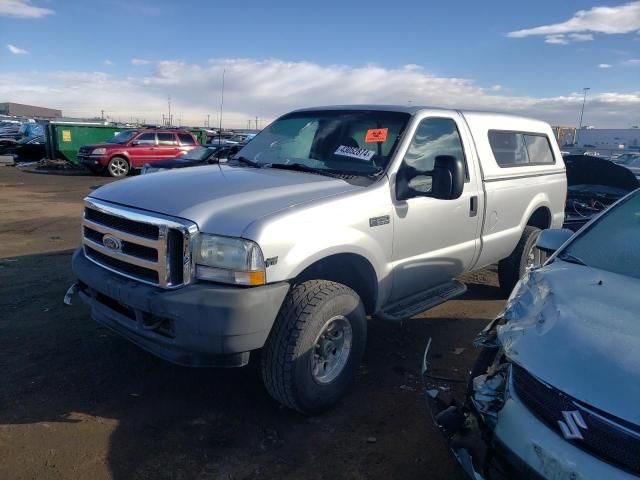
<point>315,346</point>
<point>118,167</point>
<point>524,257</point>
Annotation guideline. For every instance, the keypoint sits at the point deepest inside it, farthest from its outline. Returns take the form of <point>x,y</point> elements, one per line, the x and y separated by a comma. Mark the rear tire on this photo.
<point>315,346</point>
<point>118,167</point>
<point>512,268</point>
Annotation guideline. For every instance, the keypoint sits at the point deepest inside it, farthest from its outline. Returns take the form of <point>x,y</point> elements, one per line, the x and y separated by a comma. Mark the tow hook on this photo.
<point>68,297</point>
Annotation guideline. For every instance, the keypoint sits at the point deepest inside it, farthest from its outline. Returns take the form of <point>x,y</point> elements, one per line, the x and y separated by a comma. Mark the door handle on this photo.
<point>473,206</point>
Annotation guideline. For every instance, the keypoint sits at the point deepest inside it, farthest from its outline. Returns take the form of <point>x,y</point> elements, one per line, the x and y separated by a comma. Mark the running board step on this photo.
<point>419,302</point>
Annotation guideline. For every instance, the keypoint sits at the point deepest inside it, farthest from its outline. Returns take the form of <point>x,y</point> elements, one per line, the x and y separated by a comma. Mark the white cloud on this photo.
<point>556,39</point>
<point>609,20</point>
<point>16,50</point>
<point>581,37</point>
<point>107,62</point>
<point>634,62</point>
<point>22,9</point>
<point>604,65</point>
<point>269,88</point>
<point>140,61</point>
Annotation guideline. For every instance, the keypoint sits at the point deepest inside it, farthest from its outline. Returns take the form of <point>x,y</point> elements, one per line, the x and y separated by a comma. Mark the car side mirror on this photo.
<point>445,181</point>
<point>135,143</point>
<point>552,239</point>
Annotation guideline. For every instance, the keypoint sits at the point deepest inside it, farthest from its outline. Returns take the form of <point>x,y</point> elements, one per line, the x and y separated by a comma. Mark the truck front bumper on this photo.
<point>202,324</point>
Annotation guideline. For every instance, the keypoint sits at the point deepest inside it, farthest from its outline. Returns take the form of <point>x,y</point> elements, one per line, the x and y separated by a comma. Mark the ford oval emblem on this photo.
<point>112,243</point>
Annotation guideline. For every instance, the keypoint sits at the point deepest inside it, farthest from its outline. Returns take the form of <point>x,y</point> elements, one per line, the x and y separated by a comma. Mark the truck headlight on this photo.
<point>229,260</point>
<point>99,151</point>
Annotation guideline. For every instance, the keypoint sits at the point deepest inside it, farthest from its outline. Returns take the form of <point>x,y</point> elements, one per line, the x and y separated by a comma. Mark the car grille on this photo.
<point>611,439</point>
<point>152,250</point>
<point>84,151</point>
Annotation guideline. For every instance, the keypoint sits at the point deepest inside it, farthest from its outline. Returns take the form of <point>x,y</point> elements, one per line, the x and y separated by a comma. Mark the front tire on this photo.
<point>315,346</point>
<point>524,257</point>
<point>118,167</point>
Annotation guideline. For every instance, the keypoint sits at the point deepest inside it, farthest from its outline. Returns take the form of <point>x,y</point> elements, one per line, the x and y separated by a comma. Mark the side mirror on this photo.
<point>445,181</point>
<point>135,143</point>
<point>551,240</point>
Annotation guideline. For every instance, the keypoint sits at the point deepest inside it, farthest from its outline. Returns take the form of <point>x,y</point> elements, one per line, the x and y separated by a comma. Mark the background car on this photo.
<point>593,183</point>
<point>205,155</point>
<point>132,149</point>
<point>28,148</point>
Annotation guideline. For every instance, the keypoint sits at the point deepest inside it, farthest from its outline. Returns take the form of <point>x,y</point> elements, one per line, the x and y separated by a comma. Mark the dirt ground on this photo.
<point>78,402</point>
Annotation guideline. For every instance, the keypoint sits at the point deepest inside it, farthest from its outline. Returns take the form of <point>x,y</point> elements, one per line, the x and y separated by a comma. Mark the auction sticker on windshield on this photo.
<point>355,152</point>
<point>375,135</point>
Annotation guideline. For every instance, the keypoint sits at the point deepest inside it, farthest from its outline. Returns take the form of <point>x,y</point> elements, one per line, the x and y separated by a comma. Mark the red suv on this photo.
<point>131,149</point>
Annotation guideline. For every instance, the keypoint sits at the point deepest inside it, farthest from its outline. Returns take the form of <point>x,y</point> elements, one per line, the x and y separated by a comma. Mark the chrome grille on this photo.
<point>150,249</point>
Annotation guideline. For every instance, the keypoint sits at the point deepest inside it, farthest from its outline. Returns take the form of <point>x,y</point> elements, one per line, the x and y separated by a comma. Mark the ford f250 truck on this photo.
<point>326,217</point>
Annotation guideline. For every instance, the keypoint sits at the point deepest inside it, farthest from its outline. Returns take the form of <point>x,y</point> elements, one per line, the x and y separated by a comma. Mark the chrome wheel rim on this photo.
<point>118,167</point>
<point>534,259</point>
<point>331,349</point>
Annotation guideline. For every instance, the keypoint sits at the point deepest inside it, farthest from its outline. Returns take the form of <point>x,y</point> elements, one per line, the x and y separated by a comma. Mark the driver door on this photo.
<point>435,240</point>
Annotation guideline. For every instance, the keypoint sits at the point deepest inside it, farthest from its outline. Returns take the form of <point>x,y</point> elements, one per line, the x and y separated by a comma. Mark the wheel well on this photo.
<point>349,269</point>
<point>541,218</point>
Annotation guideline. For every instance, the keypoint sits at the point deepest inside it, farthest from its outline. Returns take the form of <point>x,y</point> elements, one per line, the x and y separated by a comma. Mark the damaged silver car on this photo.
<point>555,392</point>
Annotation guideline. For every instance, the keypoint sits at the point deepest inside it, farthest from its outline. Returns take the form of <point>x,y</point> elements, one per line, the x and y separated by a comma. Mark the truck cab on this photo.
<point>327,217</point>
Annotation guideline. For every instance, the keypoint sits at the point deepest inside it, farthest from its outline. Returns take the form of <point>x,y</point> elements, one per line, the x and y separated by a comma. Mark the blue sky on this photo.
<point>527,57</point>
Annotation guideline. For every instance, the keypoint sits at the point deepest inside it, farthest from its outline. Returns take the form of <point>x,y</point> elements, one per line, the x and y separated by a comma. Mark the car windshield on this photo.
<point>346,142</point>
<point>122,137</point>
<point>627,159</point>
<point>198,153</point>
<point>612,243</point>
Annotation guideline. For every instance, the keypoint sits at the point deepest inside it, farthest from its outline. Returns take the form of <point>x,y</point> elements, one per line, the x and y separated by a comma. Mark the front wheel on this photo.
<point>118,167</point>
<point>315,346</point>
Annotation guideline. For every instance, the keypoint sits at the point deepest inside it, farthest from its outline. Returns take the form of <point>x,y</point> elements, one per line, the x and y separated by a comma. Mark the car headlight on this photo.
<point>229,260</point>
<point>99,151</point>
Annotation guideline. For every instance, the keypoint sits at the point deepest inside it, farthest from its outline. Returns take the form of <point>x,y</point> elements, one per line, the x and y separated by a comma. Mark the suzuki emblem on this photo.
<point>112,243</point>
<point>572,424</point>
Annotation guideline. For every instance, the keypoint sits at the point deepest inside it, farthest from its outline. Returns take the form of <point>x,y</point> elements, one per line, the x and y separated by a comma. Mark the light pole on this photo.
<point>584,100</point>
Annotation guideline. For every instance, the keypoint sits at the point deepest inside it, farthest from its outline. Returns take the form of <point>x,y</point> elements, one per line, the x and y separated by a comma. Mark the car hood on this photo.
<point>218,198</point>
<point>178,163</point>
<point>577,329</point>
<point>588,170</point>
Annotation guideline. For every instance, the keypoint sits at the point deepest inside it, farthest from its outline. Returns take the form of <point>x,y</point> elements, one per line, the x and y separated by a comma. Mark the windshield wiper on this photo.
<point>246,161</point>
<point>567,257</point>
<point>301,167</point>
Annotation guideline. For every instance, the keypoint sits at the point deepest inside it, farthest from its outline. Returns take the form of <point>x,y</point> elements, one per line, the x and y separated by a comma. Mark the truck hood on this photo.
<point>219,198</point>
<point>577,329</point>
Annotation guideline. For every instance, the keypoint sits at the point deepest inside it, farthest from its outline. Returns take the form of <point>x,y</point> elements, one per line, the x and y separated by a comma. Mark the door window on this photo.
<point>166,139</point>
<point>434,137</point>
<point>186,139</point>
<point>146,139</point>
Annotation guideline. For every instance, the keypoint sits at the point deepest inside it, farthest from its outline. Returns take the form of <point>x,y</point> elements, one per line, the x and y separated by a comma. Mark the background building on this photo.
<point>20,110</point>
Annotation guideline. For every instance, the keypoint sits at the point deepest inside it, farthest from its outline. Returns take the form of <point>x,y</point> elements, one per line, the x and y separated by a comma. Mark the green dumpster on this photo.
<point>63,140</point>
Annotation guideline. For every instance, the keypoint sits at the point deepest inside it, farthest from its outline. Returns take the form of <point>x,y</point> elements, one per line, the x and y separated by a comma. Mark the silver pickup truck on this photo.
<point>328,216</point>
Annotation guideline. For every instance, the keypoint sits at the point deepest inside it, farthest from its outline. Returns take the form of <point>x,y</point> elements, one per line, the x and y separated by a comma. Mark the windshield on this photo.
<point>349,142</point>
<point>627,159</point>
<point>122,137</point>
<point>198,153</point>
<point>613,242</point>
